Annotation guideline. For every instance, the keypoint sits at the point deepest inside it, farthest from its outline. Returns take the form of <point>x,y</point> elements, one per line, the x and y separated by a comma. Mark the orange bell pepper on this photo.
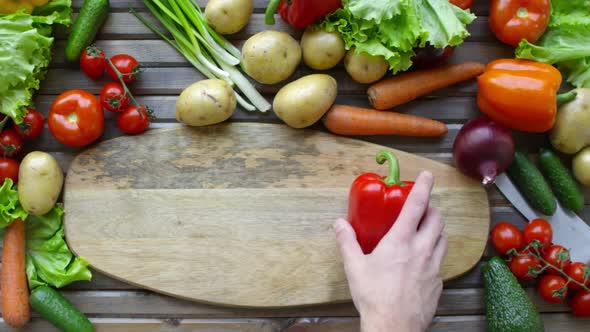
<point>521,94</point>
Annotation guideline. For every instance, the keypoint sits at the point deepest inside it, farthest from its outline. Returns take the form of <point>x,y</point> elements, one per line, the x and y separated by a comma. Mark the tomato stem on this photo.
<point>125,88</point>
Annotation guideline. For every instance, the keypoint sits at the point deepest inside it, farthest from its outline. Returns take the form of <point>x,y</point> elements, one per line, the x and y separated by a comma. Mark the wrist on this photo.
<point>386,323</point>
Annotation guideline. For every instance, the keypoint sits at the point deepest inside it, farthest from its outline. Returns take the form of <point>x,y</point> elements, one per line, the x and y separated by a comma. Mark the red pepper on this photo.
<point>375,202</point>
<point>300,13</point>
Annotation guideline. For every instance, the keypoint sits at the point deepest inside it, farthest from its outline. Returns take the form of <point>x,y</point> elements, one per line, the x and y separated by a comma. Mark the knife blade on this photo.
<point>569,230</point>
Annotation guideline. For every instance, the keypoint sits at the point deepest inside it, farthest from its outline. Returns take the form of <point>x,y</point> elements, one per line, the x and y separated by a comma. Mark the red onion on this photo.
<point>483,149</point>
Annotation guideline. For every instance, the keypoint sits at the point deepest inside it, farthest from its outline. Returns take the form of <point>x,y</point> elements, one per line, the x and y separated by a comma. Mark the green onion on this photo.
<point>210,53</point>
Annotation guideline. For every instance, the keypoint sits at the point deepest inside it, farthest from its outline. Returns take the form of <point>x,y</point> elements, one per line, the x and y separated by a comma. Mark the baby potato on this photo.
<point>303,102</point>
<point>40,182</point>
<point>228,16</point>
<point>270,56</point>
<point>365,68</point>
<point>205,103</point>
<point>321,49</point>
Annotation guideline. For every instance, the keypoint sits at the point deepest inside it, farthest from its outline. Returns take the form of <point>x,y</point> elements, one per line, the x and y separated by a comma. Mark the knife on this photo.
<point>569,230</point>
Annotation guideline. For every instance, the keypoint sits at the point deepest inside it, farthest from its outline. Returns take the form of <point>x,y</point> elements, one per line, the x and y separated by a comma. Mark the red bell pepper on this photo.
<point>300,13</point>
<point>375,202</point>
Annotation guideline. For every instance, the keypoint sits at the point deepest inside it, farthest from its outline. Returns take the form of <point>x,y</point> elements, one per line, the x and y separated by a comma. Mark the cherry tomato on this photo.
<point>514,20</point>
<point>463,4</point>
<point>126,65</point>
<point>76,118</point>
<point>550,287</point>
<point>93,62</point>
<point>8,169</point>
<point>10,142</point>
<point>581,304</point>
<point>32,125</point>
<point>506,236</point>
<point>133,120</point>
<point>113,97</point>
<point>538,229</point>
<point>580,273</point>
<point>557,256</point>
<point>521,264</point>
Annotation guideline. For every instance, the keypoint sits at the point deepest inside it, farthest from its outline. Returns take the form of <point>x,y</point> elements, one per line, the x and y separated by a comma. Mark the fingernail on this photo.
<point>338,225</point>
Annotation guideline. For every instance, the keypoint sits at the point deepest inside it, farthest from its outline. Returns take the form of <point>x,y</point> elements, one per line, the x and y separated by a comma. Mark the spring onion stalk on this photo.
<point>210,53</point>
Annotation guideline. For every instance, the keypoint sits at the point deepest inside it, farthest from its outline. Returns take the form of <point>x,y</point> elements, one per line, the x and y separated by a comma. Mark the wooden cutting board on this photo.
<point>240,214</point>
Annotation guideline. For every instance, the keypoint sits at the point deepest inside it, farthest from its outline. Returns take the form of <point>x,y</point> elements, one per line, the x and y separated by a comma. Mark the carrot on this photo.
<point>405,87</point>
<point>13,279</point>
<point>350,120</point>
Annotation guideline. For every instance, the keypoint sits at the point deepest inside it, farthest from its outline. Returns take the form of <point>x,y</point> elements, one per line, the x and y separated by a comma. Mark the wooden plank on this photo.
<point>157,53</point>
<point>143,304</point>
<point>480,8</point>
<point>124,25</point>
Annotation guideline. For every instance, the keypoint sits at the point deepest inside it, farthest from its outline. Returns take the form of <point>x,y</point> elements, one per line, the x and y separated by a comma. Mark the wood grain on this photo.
<point>241,204</point>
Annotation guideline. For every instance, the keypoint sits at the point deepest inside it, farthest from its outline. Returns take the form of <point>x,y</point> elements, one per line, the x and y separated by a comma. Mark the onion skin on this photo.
<point>483,149</point>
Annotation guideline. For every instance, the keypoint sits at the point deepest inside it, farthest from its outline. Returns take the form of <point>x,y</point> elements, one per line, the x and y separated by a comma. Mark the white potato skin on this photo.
<point>303,102</point>
<point>271,56</point>
<point>365,68</point>
<point>322,50</point>
<point>205,103</point>
<point>228,16</point>
<point>581,167</point>
<point>40,182</point>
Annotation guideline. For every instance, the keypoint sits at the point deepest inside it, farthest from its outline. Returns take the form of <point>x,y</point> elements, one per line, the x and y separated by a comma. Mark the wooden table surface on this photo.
<point>116,306</point>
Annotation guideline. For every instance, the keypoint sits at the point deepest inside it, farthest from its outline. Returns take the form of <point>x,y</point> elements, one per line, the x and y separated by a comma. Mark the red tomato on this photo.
<point>113,97</point>
<point>32,125</point>
<point>10,142</point>
<point>581,304</point>
<point>133,120</point>
<point>93,62</point>
<point>463,4</point>
<point>126,65</point>
<point>76,118</point>
<point>521,264</point>
<point>8,169</point>
<point>514,20</point>
<point>552,288</point>
<point>557,256</point>
<point>538,229</point>
<point>580,273</point>
<point>506,236</point>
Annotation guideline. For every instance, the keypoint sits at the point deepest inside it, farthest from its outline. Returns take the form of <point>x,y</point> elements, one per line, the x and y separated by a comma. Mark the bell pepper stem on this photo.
<point>566,97</point>
<point>393,174</point>
<point>271,9</point>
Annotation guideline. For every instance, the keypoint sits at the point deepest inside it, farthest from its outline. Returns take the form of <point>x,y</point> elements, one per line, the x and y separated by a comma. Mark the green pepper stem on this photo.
<point>393,174</point>
<point>566,97</point>
<point>271,9</point>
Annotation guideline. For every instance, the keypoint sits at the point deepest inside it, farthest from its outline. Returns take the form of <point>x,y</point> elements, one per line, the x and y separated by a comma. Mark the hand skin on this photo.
<point>397,286</point>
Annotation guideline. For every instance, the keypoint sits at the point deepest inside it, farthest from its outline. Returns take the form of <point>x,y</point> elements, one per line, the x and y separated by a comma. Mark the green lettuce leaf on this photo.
<point>394,28</point>
<point>55,11</point>
<point>49,260</point>
<point>10,208</point>
<point>566,43</point>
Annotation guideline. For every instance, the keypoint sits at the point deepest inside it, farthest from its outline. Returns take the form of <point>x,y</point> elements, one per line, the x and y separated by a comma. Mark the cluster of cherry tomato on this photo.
<point>133,118</point>
<point>533,254</point>
<point>11,141</point>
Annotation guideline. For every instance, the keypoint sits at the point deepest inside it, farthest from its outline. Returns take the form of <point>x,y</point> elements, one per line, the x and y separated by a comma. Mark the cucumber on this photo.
<point>532,184</point>
<point>59,311</point>
<point>92,16</point>
<point>563,184</point>
<point>508,307</point>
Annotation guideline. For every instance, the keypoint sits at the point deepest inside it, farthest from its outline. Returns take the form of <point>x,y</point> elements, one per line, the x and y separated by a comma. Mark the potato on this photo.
<point>321,49</point>
<point>271,57</point>
<point>228,16</point>
<point>365,68</point>
<point>205,103</point>
<point>303,102</point>
<point>570,133</point>
<point>581,167</point>
<point>40,180</point>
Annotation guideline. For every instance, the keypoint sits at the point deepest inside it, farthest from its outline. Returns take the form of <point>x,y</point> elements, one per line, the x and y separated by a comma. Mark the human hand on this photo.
<point>398,285</point>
